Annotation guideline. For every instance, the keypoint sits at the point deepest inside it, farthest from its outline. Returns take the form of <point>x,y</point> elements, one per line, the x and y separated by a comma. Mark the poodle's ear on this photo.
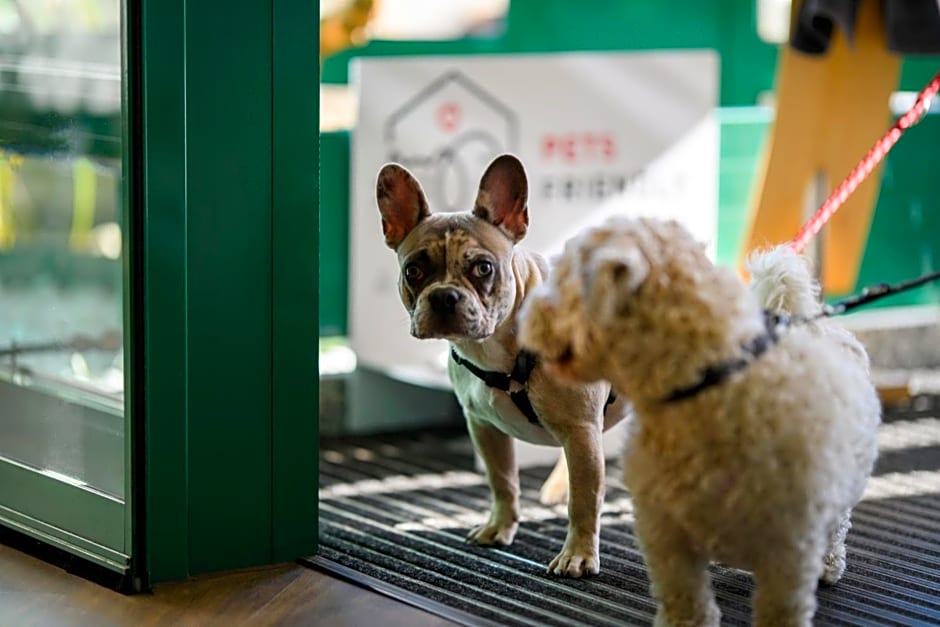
<point>611,277</point>
<point>401,202</point>
<point>503,197</point>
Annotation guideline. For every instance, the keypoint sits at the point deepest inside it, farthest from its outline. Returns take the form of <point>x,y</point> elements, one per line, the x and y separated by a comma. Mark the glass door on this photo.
<point>63,460</point>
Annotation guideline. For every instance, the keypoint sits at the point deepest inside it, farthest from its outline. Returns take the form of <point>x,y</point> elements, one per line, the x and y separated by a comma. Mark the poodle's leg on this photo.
<point>679,579</point>
<point>834,558</point>
<point>786,586</point>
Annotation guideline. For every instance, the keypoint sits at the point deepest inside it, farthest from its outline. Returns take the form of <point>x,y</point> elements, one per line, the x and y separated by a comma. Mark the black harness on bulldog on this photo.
<point>521,371</point>
<point>754,348</point>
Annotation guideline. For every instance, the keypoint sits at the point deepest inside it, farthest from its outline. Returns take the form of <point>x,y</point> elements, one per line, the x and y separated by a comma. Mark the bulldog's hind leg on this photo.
<point>555,489</point>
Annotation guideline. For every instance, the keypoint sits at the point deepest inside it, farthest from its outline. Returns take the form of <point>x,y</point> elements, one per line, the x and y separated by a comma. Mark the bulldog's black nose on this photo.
<point>444,300</point>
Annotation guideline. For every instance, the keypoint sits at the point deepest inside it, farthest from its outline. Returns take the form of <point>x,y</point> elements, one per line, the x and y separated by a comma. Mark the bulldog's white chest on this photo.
<point>495,407</point>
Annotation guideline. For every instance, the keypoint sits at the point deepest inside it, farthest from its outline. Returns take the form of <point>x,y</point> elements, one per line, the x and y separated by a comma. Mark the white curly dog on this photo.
<point>753,438</point>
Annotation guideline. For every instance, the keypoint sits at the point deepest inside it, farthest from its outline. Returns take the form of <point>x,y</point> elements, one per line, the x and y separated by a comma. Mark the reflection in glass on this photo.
<point>61,330</point>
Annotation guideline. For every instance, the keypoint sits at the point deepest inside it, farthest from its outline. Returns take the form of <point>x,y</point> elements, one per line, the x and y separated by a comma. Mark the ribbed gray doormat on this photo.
<point>394,511</point>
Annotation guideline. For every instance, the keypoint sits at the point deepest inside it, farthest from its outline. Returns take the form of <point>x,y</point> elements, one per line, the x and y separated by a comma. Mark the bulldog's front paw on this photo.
<point>493,534</point>
<point>576,561</point>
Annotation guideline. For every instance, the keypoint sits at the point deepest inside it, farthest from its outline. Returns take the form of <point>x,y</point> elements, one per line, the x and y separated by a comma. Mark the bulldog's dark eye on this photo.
<point>413,273</point>
<point>482,269</point>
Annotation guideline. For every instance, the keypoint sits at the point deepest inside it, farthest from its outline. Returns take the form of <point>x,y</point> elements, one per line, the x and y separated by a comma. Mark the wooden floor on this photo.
<point>33,592</point>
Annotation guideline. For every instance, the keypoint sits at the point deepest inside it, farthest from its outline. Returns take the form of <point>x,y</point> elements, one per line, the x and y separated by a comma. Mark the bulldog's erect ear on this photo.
<point>401,202</point>
<point>611,277</point>
<point>503,197</point>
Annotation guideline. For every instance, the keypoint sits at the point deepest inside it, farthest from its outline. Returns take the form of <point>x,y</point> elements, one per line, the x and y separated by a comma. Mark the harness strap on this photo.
<point>521,371</point>
<point>498,380</point>
<point>718,373</point>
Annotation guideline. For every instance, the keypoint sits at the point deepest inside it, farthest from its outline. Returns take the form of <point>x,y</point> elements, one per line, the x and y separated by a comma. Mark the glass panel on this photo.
<point>61,332</point>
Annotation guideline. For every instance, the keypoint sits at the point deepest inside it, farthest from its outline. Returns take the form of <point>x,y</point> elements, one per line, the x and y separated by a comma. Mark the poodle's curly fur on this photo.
<point>759,471</point>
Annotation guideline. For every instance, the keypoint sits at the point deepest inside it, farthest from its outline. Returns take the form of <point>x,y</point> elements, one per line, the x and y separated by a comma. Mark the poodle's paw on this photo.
<point>833,567</point>
<point>576,561</point>
<point>554,491</point>
<point>834,558</point>
<point>493,534</point>
<point>709,616</point>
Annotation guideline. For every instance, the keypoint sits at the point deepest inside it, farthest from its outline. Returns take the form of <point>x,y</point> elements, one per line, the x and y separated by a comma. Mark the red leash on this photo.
<point>866,165</point>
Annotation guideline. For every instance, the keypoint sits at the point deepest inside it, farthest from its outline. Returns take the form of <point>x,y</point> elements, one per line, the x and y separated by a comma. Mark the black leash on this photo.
<point>877,292</point>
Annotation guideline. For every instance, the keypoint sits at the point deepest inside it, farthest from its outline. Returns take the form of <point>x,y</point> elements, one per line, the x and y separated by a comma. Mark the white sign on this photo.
<point>599,134</point>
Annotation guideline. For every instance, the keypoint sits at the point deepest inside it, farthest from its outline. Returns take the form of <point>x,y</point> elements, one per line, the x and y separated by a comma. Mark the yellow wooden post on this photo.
<point>830,110</point>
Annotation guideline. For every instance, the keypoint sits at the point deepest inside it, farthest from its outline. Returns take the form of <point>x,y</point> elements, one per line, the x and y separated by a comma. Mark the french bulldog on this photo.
<point>463,279</point>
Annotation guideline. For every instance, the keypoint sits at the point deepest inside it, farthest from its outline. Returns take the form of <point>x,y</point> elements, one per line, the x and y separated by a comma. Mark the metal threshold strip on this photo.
<point>393,591</point>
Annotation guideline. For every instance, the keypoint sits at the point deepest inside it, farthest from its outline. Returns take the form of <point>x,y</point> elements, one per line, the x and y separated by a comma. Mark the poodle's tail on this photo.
<point>782,281</point>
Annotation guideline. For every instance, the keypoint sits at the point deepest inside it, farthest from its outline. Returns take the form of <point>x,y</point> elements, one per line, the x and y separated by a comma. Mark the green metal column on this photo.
<point>230,119</point>
<point>296,266</point>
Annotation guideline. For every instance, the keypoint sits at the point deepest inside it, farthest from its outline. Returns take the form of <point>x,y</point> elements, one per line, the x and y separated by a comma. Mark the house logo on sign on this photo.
<point>446,134</point>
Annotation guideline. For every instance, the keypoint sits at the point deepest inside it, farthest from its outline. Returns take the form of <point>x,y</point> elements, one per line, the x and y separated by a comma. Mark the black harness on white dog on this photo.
<point>757,346</point>
<point>754,348</point>
<point>521,371</point>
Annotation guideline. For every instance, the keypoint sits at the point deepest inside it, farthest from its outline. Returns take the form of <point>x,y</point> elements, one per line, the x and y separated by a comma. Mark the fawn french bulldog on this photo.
<point>463,279</point>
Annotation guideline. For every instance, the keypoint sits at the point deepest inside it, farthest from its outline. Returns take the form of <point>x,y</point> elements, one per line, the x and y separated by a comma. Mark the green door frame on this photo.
<point>226,395</point>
